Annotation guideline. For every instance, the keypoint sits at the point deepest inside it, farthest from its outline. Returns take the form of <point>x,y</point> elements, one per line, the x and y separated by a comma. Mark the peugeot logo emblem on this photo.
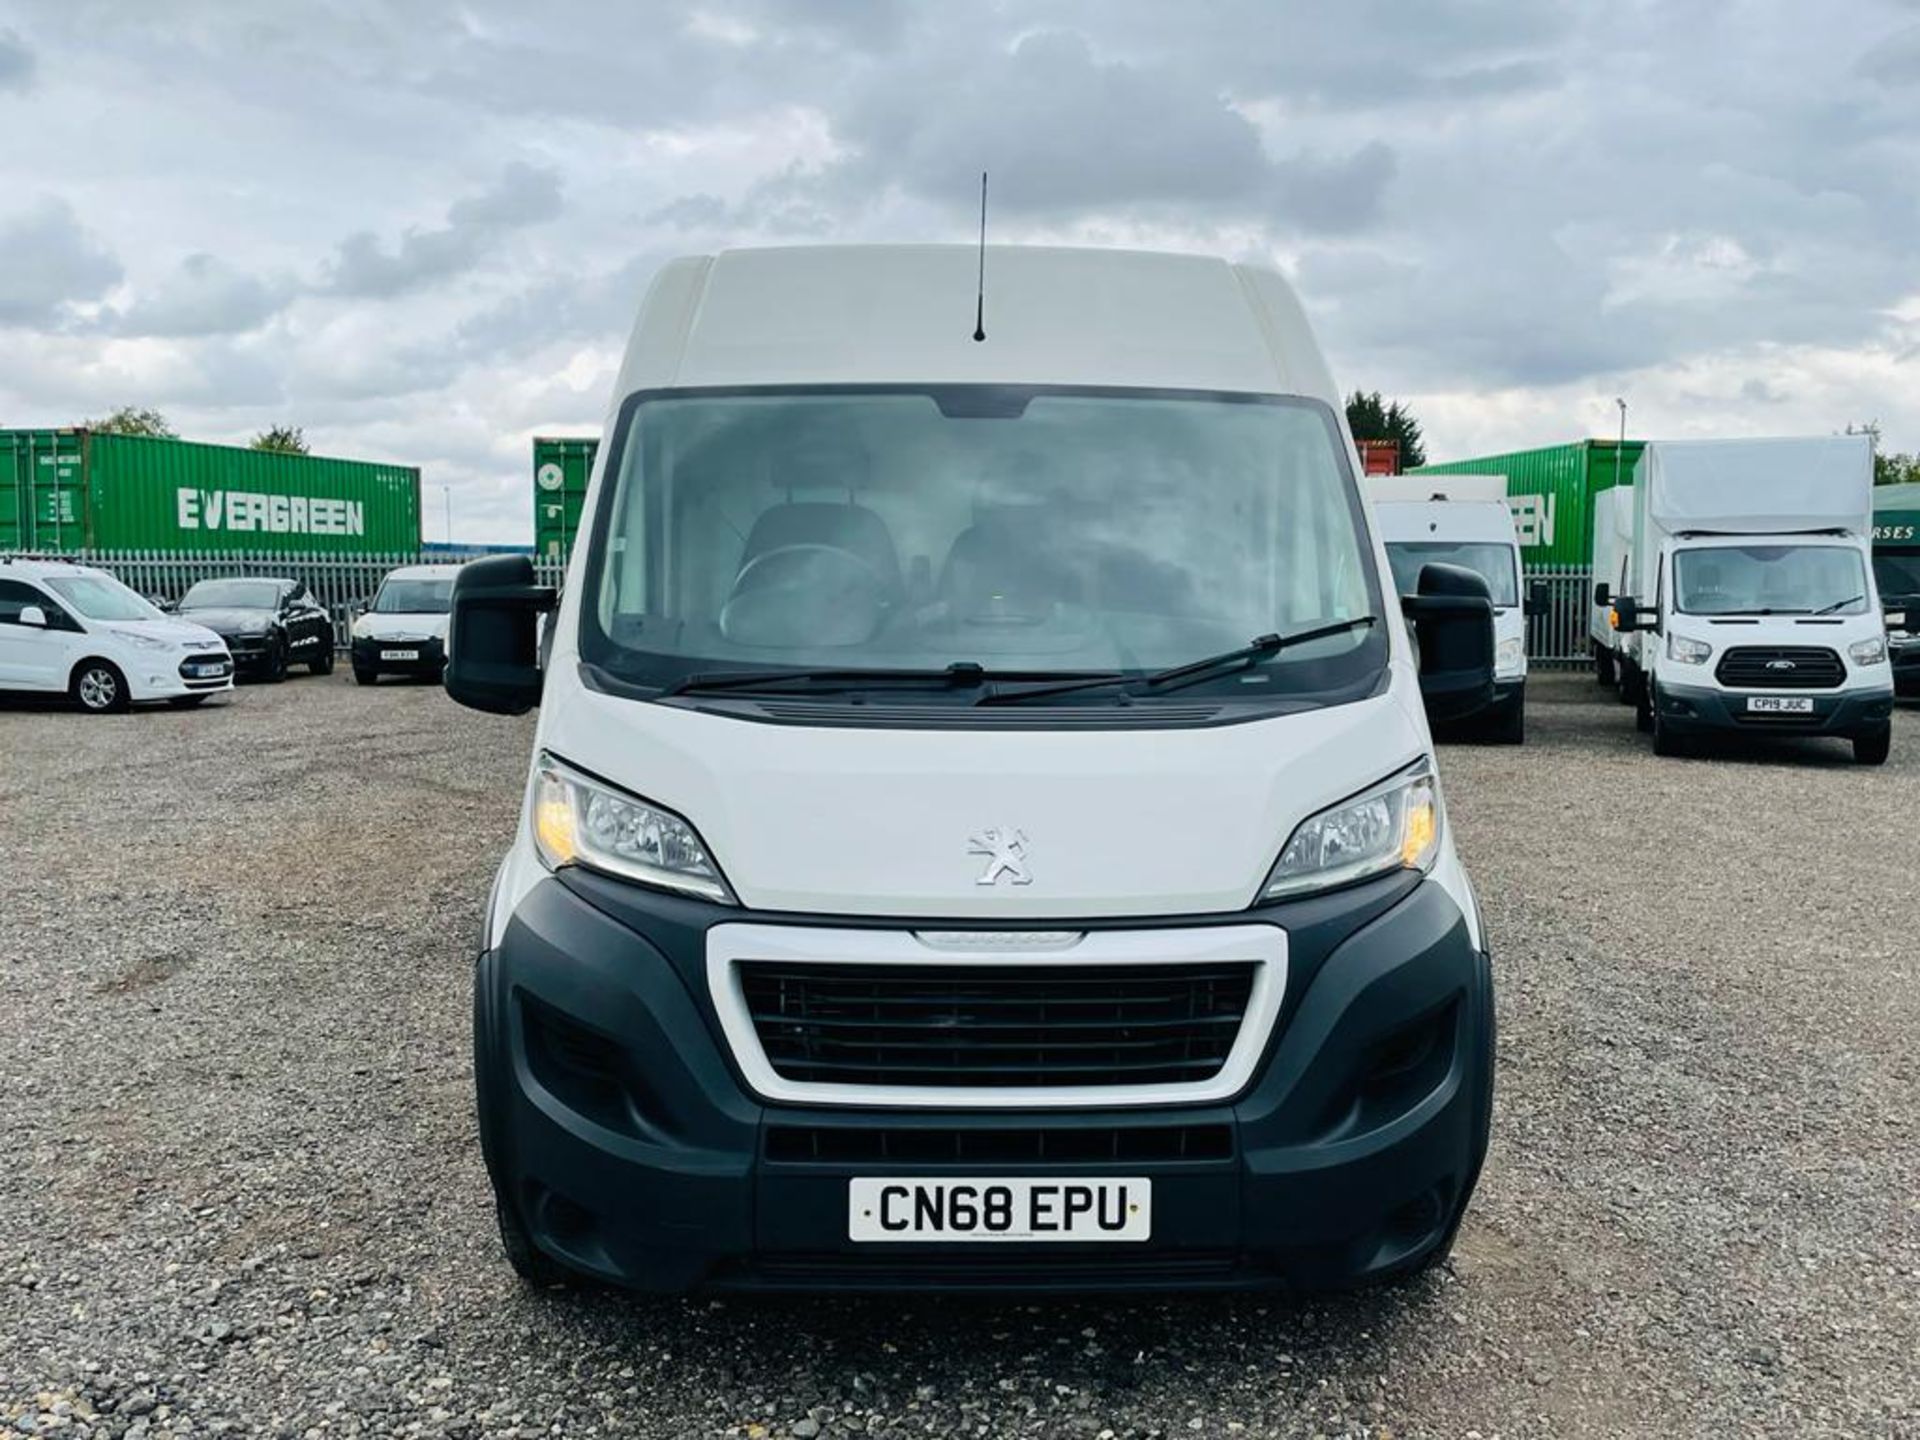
<point>1006,852</point>
<point>1781,665</point>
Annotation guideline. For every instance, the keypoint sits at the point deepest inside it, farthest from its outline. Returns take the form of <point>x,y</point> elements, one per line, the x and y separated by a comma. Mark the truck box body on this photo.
<point>903,765</point>
<point>1612,547</point>
<point>1751,603</point>
<point>1790,486</point>
<point>63,491</point>
<point>561,469</point>
<point>1551,490</point>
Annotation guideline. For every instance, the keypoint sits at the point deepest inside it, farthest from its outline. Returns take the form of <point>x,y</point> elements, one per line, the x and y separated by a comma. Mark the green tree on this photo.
<point>1372,418</point>
<point>282,440</point>
<point>134,420</point>
<point>1889,467</point>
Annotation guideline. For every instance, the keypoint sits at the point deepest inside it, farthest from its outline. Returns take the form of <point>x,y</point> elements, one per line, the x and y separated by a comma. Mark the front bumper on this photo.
<point>430,656</point>
<point>168,677</point>
<point>249,653</point>
<point>617,1125</point>
<point>1692,709</point>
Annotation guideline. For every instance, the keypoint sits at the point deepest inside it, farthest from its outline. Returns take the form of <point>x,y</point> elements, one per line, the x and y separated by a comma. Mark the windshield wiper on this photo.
<point>1840,604</point>
<point>1244,657</point>
<point>960,675</point>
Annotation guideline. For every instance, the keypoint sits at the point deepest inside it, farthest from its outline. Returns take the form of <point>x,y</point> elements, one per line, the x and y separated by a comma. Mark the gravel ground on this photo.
<point>242,1193</point>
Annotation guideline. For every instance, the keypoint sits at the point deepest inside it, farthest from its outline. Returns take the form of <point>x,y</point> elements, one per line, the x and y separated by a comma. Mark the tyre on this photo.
<point>532,1266</point>
<point>365,677</point>
<point>275,669</point>
<point>1603,669</point>
<point>1873,747</point>
<point>322,662</point>
<point>1633,683</point>
<point>1643,713</point>
<point>1665,741</point>
<point>98,687</point>
<point>186,702</point>
<point>1509,725</point>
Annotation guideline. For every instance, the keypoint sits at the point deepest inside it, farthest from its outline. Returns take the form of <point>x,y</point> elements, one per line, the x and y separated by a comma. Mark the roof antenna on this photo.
<point>980,306</point>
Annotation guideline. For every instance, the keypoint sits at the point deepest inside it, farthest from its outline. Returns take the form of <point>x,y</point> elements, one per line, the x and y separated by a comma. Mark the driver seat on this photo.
<point>839,525</point>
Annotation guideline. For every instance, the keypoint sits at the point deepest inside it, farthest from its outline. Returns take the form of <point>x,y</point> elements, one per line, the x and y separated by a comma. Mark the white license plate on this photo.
<point>1780,704</point>
<point>200,672</point>
<point>399,654</point>
<point>995,1208</point>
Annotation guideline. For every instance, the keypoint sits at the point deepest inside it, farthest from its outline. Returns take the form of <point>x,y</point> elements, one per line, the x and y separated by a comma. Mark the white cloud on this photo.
<point>49,263</point>
<point>421,233</point>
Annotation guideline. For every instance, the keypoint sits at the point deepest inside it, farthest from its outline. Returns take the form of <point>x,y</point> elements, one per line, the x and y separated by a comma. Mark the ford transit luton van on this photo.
<point>982,829</point>
<point>1752,606</point>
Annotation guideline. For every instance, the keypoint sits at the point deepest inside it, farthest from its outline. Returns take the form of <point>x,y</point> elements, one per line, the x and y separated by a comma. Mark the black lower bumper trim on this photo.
<point>1692,710</point>
<point>617,1127</point>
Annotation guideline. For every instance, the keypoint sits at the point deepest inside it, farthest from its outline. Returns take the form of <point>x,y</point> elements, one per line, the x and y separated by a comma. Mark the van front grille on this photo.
<point>996,1025</point>
<point>1780,667</point>
<point>996,1145</point>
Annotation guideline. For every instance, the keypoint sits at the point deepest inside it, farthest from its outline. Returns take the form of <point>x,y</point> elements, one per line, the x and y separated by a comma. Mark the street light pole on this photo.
<point>446,494</point>
<point>1621,448</point>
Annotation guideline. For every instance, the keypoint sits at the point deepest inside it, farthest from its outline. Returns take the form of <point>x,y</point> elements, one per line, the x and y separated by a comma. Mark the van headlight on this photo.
<point>1394,826</point>
<point>147,642</point>
<point>1870,651</point>
<point>1687,652</point>
<point>1509,655</point>
<point>577,821</point>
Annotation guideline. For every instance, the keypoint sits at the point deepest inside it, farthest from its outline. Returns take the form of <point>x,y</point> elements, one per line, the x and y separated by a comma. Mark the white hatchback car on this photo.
<point>74,629</point>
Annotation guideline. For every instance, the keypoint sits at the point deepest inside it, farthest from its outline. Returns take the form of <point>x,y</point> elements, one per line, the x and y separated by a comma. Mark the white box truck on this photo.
<point>1464,520</point>
<point>1752,606</point>
<point>982,830</point>
<point>1612,550</point>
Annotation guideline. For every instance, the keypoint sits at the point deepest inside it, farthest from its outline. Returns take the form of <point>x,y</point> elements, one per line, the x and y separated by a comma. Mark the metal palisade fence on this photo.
<point>1557,637</point>
<point>345,584</point>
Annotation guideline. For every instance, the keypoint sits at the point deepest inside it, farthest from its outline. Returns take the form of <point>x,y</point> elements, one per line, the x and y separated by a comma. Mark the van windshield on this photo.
<point>1040,532</point>
<point>414,597</point>
<point>1896,572</point>
<point>232,595</point>
<point>1492,563</point>
<point>101,597</point>
<point>1770,580</point>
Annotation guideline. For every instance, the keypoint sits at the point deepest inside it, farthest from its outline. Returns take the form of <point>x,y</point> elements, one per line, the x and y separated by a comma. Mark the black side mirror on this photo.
<point>1629,615</point>
<point>493,635</point>
<point>1452,616</point>
<point>1537,598</point>
<point>1603,594</point>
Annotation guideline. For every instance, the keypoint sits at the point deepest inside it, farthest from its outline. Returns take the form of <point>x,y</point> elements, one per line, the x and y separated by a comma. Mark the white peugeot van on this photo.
<point>72,629</point>
<point>982,829</point>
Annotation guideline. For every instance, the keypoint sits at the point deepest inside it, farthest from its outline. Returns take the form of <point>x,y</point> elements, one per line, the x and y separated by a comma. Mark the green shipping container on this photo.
<point>1551,491</point>
<point>1896,516</point>
<point>68,490</point>
<point>561,468</point>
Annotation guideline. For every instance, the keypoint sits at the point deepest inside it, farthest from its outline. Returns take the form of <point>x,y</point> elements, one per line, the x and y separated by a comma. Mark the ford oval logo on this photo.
<point>1781,665</point>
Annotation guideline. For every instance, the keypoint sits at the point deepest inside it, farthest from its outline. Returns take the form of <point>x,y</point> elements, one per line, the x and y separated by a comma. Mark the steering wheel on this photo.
<point>805,594</point>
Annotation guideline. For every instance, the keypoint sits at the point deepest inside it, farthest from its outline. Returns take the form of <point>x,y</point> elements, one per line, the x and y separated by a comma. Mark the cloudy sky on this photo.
<point>420,231</point>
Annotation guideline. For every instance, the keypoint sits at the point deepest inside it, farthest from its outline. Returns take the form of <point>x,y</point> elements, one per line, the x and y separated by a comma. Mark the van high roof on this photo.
<point>905,313</point>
